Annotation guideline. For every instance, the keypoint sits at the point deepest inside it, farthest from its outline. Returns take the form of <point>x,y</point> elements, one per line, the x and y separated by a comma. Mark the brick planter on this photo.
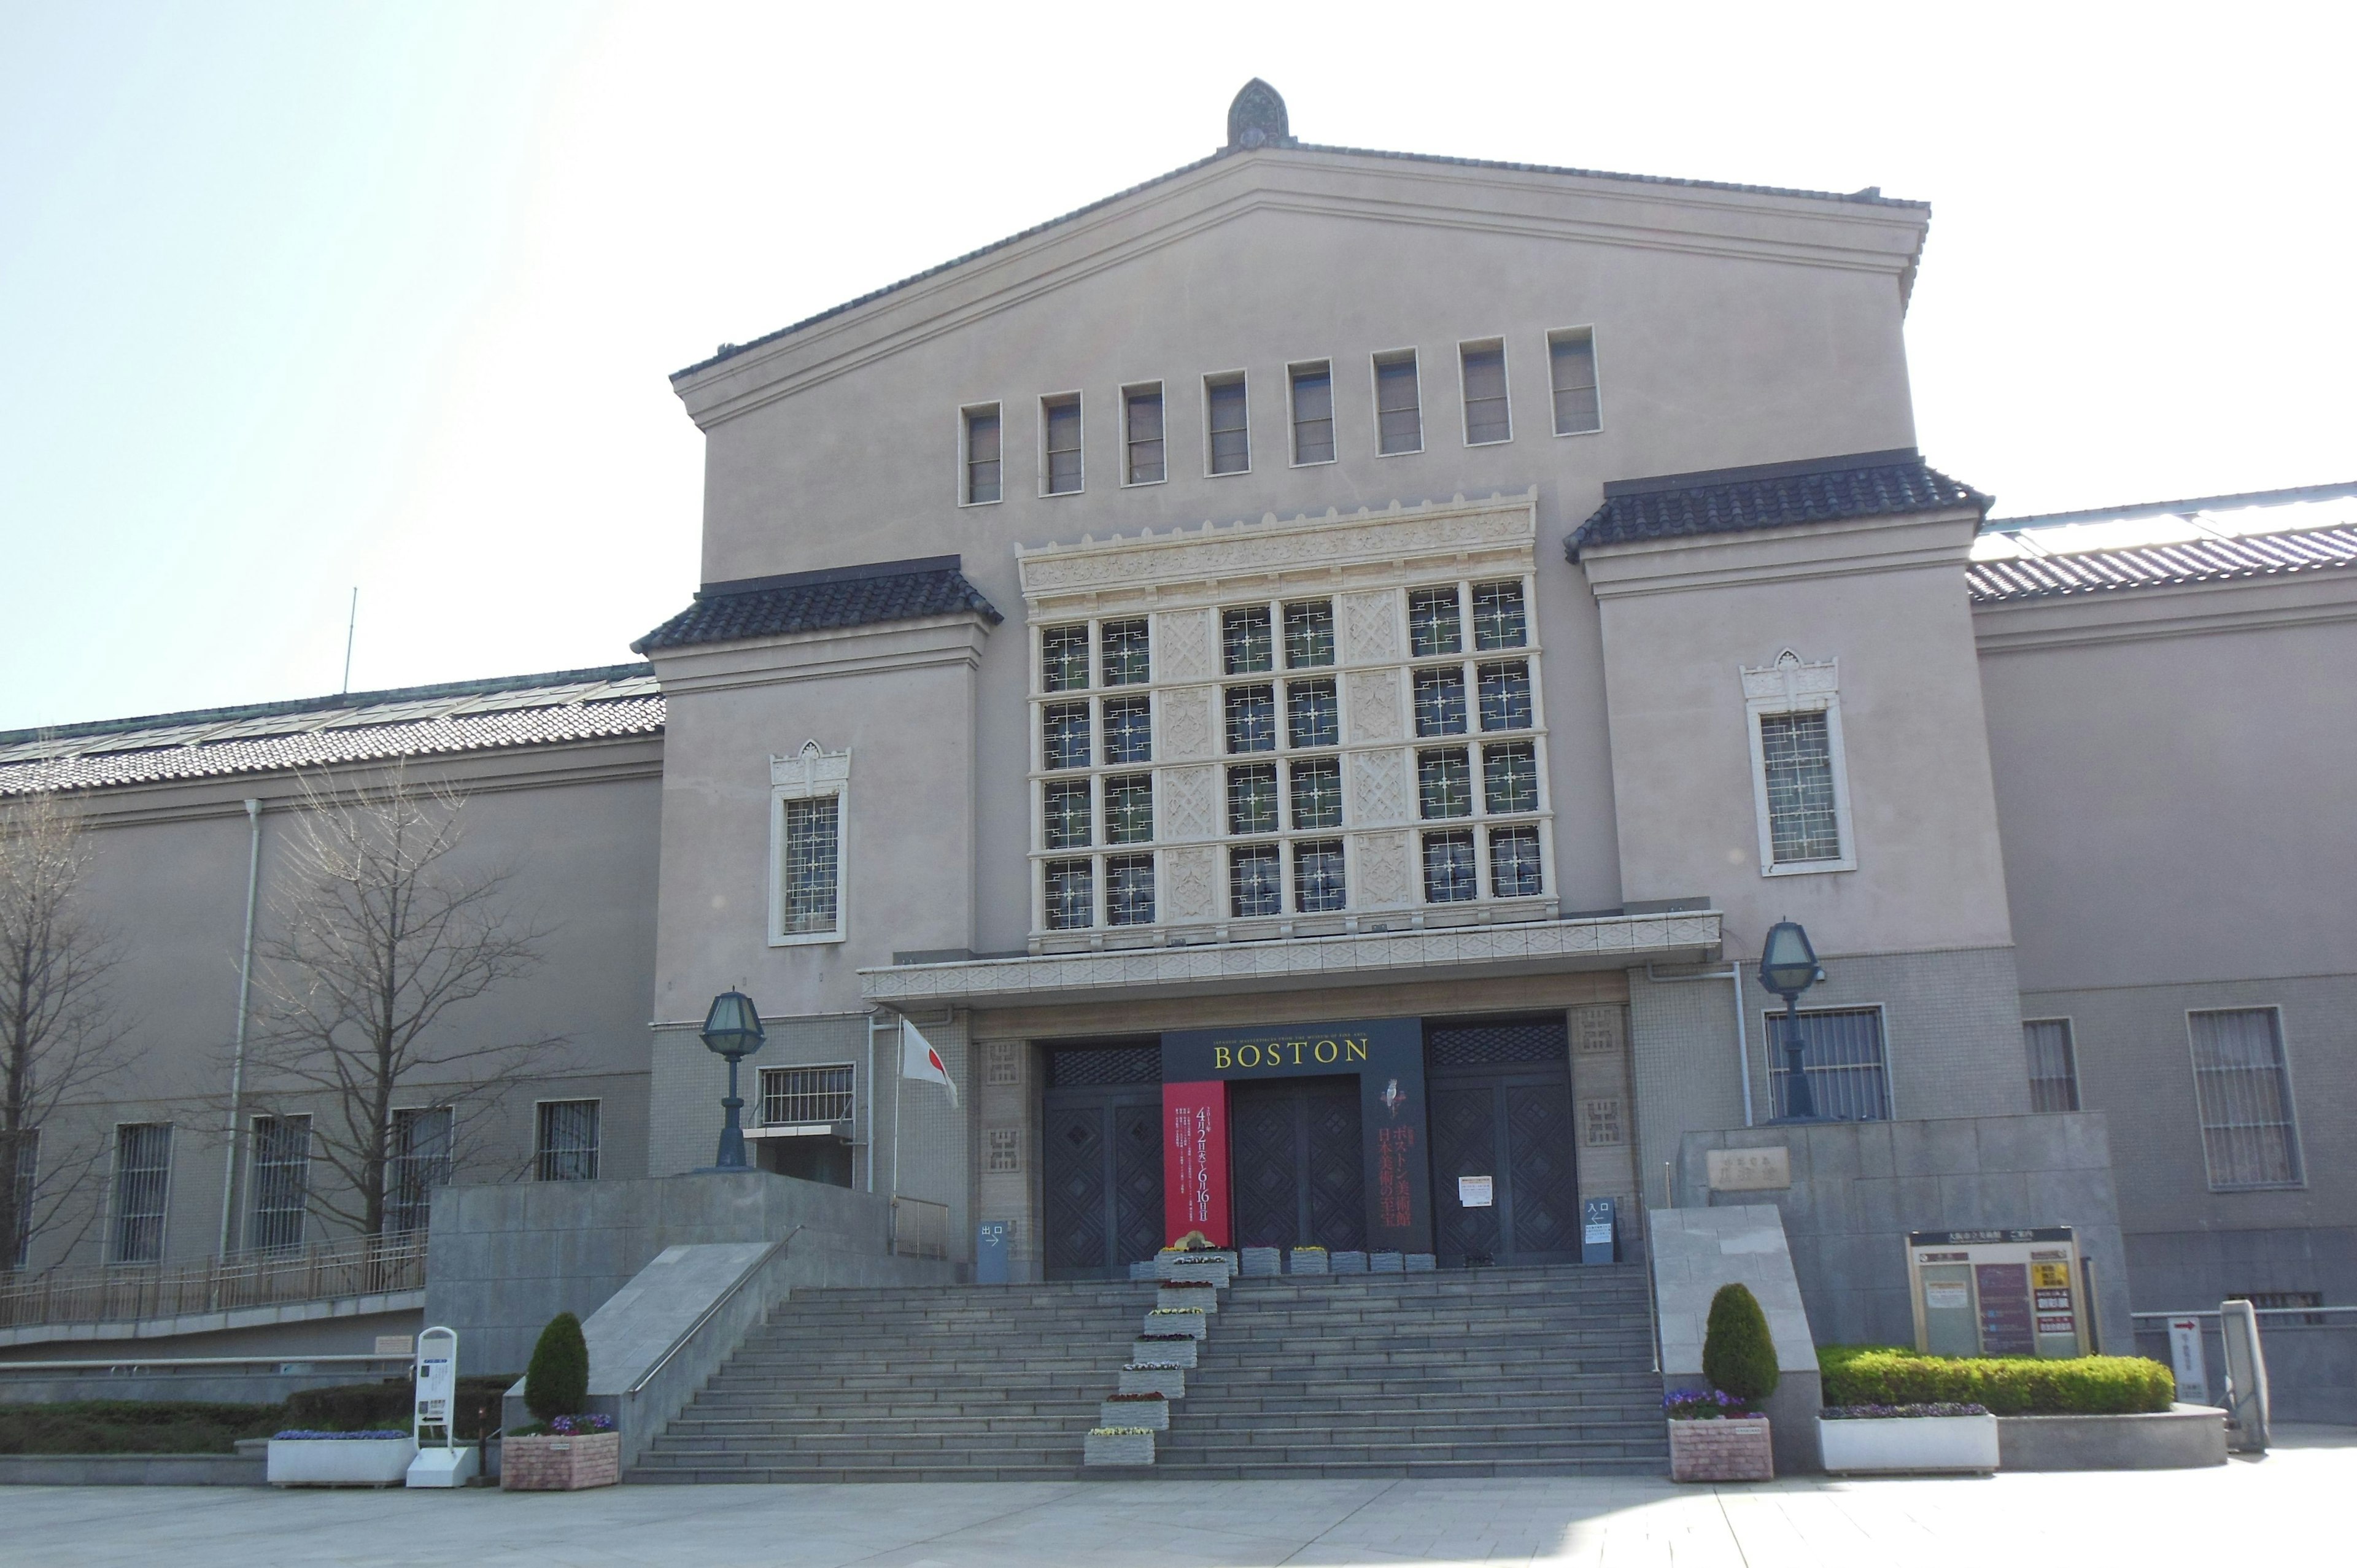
<point>1734,1449</point>
<point>560,1464</point>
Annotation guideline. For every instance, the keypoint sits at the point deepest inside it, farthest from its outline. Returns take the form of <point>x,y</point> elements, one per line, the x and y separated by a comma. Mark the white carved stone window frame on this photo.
<point>1789,687</point>
<point>810,774</point>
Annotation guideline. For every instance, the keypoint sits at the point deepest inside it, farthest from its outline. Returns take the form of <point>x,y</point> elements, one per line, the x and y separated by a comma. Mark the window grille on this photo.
<point>566,1146</point>
<point>1064,734</point>
<point>1006,1147</point>
<point>1060,421</point>
<point>1449,873</point>
<point>1486,419</point>
<point>1129,890</point>
<point>27,1142</point>
<point>1128,731</point>
<point>1399,416</point>
<point>1231,441</point>
<point>812,874</point>
<point>1124,654</point>
<point>420,1163</point>
<point>1514,862</point>
<point>1143,410</point>
<point>142,1177</point>
<point>1254,886</point>
<point>2285,1300</point>
<point>1572,364</point>
<point>1246,644</point>
<point>1484,1045</point>
<point>1510,777</point>
<point>982,473</point>
<point>1064,659</point>
<point>1072,895</point>
<point>1444,785</point>
<point>2053,1065</point>
<point>1084,1067</point>
<point>1251,718</point>
<point>1313,715</point>
<point>1433,627</point>
<point>1506,695</point>
<point>1439,701</point>
<point>1796,750</point>
<point>1066,817</point>
<point>1842,1054</point>
<point>1003,1062</point>
<point>282,1182</point>
<point>800,1096</point>
<point>1310,635</point>
<point>1252,799</point>
<point>1318,882</point>
<point>1313,413</point>
<point>1129,809</point>
<point>1317,794</point>
<point>2244,1086</point>
<point>1498,618</point>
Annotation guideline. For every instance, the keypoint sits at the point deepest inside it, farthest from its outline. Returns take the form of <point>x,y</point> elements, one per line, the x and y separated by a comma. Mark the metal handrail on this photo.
<point>151,1364</point>
<point>718,1302</point>
<point>368,1265</point>
<point>2259,1311</point>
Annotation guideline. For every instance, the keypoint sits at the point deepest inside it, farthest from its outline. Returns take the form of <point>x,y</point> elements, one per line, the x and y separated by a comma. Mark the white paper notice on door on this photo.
<point>1942,1295</point>
<point>1473,1191</point>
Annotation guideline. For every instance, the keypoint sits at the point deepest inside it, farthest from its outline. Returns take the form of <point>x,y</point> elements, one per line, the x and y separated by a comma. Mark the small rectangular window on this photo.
<point>282,1182</point>
<point>143,1179</point>
<point>1072,895</point>
<point>802,1096</point>
<point>1129,808</point>
<point>1252,799</point>
<point>1399,413</point>
<point>1064,735</point>
<point>566,1149</point>
<point>1571,362</point>
<point>1121,653</point>
<point>1247,647</point>
<point>1225,417</point>
<point>2244,1086</point>
<point>1142,432</point>
<point>1066,814</point>
<point>1449,873</point>
<point>1128,731</point>
<point>1255,885</point>
<point>1514,862</point>
<point>1506,694</point>
<point>1316,794</point>
<point>1444,784</point>
<point>1318,885</point>
<point>1064,659</point>
<point>1439,701</point>
<point>1060,437</point>
<point>1434,626</point>
<point>1129,890</point>
<point>1251,718</point>
<point>1005,1150</point>
<point>2053,1065</point>
<point>1498,618</point>
<point>1310,635</point>
<point>811,871</point>
<point>982,474</point>
<point>1510,778</point>
<point>1796,752</point>
<point>1841,1055</point>
<point>421,1142</point>
<point>1484,369</point>
<point>1313,412</point>
<point>1312,715</point>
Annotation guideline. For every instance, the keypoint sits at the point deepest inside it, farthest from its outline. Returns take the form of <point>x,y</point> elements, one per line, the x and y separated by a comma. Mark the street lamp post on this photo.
<point>732,1029</point>
<point>1788,966</point>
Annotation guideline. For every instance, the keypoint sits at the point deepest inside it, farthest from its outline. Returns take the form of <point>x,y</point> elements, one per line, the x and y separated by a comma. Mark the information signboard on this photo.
<point>438,1383</point>
<point>1999,1293</point>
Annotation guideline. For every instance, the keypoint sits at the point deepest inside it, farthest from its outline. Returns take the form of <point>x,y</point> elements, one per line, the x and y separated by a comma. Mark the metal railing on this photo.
<point>122,1293</point>
<point>921,1229</point>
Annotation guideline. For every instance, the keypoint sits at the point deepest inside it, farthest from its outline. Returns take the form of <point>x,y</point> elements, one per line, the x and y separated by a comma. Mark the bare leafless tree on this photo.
<point>382,935</point>
<point>60,1037</point>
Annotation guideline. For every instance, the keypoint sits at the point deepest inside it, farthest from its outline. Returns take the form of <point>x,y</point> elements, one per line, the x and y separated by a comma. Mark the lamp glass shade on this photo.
<point>1787,964</point>
<point>733,1027</point>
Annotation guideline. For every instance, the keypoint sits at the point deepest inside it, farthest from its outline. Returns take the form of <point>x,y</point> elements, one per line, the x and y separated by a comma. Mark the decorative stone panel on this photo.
<point>1372,698</point>
<point>1194,884</point>
<point>1189,724</point>
<point>1183,647</point>
<point>1189,804</point>
<point>1386,878</point>
<point>1371,627</point>
<point>1379,790</point>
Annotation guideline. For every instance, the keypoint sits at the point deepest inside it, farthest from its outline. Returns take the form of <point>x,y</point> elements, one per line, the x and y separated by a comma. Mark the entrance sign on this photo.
<point>1997,1292</point>
<point>1195,1163</point>
<point>1599,1231</point>
<point>1473,1191</point>
<point>2189,1361</point>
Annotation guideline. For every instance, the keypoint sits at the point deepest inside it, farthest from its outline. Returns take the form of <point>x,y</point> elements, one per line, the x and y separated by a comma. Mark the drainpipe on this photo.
<point>245,996</point>
<point>1733,971</point>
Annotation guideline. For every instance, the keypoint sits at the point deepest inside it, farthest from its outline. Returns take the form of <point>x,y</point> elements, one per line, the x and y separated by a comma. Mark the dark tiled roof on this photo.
<point>615,702</point>
<point>1771,495</point>
<point>2162,565</point>
<point>820,601</point>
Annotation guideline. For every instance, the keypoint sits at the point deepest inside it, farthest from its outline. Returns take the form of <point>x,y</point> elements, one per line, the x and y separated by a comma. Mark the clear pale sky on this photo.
<point>300,295</point>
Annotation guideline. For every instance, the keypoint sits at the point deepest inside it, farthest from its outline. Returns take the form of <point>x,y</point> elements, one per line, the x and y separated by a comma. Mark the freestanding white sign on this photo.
<point>2189,1362</point>
<point>446,1464</point>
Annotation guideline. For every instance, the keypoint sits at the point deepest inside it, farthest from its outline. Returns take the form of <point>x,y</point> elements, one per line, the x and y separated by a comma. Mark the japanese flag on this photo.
<point>920,1060</point>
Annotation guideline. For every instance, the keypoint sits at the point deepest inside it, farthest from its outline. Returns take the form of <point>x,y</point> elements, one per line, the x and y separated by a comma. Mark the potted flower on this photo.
<point>301,1457</point>
<point>1118,1446</point>
<point>1908,1439</point>
<point>1170,1349</point>
<point>1716,1434</point>
<point>1164,1376</point>
<point>569,1449</point>
<point>1308,1261</point>
<point>1189,1321</point>
<point>1201,1295</point>
<point>1135,1410</point>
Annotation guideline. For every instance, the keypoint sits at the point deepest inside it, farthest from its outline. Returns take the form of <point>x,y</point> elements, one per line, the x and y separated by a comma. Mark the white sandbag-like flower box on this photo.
<point>1201,1295</point>
<point>1118,1446</point>
<point>1178,1350</point>
<point>1135,1410</point>
<point>298,1458</point>
<point>1167,1378</point>
<point>1907,1440</point>
<point>1188,1320</point>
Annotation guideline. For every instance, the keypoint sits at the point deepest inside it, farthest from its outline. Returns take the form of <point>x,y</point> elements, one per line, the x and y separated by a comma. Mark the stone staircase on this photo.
<point>1482,1372</point>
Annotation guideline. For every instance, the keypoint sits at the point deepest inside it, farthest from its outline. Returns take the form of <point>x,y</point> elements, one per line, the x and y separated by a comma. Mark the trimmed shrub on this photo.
<point>133,1426</point>
<point>557,1382</point>
<point>2008,1385</point>
<point>1738,1355</point>
<point>350,1407</point>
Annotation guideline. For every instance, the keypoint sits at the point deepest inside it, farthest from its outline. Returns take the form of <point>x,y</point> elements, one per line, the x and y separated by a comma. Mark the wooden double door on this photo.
<point>1100,1179</point>
<point>1503,1109</point>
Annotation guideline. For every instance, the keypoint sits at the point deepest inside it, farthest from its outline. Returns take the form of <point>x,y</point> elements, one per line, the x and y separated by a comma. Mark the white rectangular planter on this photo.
<point>1182,1351</point>
<point>1128,1448</point>
<point>1191,1321</point>
<point>1155,1413</point>
<point>1203,1297</point>
<point>1930,1444</point>
<point>1169,1382</point>
<point>348,1462</point>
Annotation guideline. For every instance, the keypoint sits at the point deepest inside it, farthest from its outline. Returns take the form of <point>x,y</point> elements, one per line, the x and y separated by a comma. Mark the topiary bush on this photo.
<point>2008,1385</point>
<point>1738,1355</point>
<point>557,1382</point>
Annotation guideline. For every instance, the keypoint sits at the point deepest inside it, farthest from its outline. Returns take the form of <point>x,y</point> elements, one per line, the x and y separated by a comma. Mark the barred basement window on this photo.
<point>1313,715</point>
<point>981,455</point>
<point>1571,357</point>
<point>1514,862</point>
<point>1399,414</point>
<point>28,1171</point>
<point>2053,1065</point>
<point>1066,814</point>
<point>1313,412</point>
<point>1060,441</point>
<point>1317,794</point>
<point>1318,875</point>
<point>1434,626</point>
<point>1225,423</point>
<point>1072,895</point>
<point>1506,695</point>
<point>1483,368</point>
<point>420,1163</point>
<point>1841,1052</point>
<point>1310,635</point>
<point>566,1147</point>
<point>1142,412</point>
<point>811,873</point>
<point>1129,890</point>
<point>1129,808</point>
<point>1128,731</point>
<point>1252,799</point>
<point>1510,778</point>
<point>1439,701</point>
<point>1247,647</point>
<point>805,1095</point>
<point>1251,718</point>
<point>1006,1147</point>
<point>1064,659</point>
<point>1796,750</point>
<point>1122,653</point>
<point>1498,618</point>
<point>1449,873</point>
<point>2244,1086</point>
<point>143,1179</point>
<point>1064,734</point>
<point>282,1182</point>
<point>1256,886</point>
<point>1444,784</point>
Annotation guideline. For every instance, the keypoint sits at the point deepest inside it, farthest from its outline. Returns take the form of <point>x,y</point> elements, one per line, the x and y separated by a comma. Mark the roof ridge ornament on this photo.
<point>1256,118</point>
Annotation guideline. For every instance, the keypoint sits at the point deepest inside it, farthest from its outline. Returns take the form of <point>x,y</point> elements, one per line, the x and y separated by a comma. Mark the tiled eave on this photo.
<point>1367,958</point>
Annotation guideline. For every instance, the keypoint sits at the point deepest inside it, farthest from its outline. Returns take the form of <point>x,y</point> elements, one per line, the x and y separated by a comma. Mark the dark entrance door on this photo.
<point>1298,1169</point>
<point>1502,1109</point>
<point>1100,1161</point>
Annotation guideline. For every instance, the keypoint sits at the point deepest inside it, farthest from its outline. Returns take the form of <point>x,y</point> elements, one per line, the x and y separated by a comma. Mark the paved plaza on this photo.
<point>2292,1503</point>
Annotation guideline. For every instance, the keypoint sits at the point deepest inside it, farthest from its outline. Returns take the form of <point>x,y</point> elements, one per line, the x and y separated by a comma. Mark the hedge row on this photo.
<point>178,1426</point>
<point>2087,1385</point>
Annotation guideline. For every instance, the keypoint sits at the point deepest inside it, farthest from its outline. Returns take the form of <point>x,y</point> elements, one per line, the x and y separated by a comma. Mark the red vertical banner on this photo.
<point>1195,1161</point>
